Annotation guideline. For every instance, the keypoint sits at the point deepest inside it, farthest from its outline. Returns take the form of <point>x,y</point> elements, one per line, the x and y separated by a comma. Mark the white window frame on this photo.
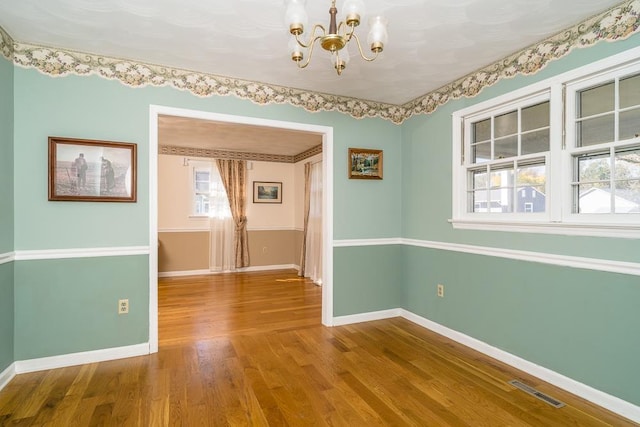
<point>572,89</point>
<point>210,167</point>
<point>558,217</point>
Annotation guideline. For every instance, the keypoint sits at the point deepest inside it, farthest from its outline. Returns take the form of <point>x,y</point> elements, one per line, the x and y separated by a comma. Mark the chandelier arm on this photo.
<point>312,36</point>
<point>349,32</point>
<point>366,58</point>
<point>312,44</point>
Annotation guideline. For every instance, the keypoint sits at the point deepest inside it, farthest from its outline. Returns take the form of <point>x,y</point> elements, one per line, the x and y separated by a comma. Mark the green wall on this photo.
<point>95,108</point>
<point>580,323</point>
<point>6,214</point>
<point>370,279</point>
<point>70,305</point>
<point>7,314</point>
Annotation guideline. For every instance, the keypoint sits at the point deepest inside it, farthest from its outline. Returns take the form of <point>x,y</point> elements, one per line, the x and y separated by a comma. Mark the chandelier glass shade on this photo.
<point>335,38</point>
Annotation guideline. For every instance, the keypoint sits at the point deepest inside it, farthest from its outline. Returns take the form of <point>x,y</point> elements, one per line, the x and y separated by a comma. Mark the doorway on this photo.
<point>327,198</point>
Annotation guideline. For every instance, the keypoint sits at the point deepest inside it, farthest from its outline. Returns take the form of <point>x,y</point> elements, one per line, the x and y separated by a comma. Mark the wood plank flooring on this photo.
<point>249,350</point>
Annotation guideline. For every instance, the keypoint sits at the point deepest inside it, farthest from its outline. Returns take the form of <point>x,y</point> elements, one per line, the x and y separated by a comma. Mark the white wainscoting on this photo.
<point>7,257</point>
<point>611,266</point>
<point>80,253</point>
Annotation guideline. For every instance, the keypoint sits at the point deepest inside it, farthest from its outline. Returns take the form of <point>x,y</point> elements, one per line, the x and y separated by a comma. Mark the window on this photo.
<point>603,144</point>
<point>508,148</point>
<point>210,197</point>
<point>564,152</point>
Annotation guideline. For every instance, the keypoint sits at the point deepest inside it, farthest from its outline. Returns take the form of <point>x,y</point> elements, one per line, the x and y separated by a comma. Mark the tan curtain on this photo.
<point>307,204</point>
<point>233,174</point>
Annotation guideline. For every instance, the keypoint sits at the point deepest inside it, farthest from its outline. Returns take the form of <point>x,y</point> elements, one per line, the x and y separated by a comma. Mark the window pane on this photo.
<point>501,195</point>
<point>595,131</point>
<point>481,130</point>
<point>627,197</point>
<point>502,177</point>
<point>535,142</point>
<point>479,179</point>
<point>628,164</point>
<point>594,198</point>
<point>505,147</point>
<point>501,200</point>
<point>629,124</point>
<point>630,91</point>
<point>597,100</point>
<point>506,124</point>
<point>534,175</point>
<point>481,152</point>
<point>202,205</point>
<point>530,199</point>
<point>202,176</point>
<point>535,117</point>
<point>202,186</point>
<point>594,168</point>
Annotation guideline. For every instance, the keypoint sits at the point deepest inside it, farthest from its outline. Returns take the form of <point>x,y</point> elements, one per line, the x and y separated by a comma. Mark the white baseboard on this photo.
<point>366,317</point>
<point>72,359</point>
<point>185,273</point>
<point>239,270</point>
<point>612,403</point>
<point>270,267</point>
<point>600,398</point>
<point>7,375</point>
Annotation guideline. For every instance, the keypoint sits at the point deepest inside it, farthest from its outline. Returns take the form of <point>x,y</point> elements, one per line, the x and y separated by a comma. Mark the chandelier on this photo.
<point>335,39</point>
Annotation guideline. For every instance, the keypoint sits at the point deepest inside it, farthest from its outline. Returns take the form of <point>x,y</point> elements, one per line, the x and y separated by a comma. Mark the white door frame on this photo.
<point>327,202</point>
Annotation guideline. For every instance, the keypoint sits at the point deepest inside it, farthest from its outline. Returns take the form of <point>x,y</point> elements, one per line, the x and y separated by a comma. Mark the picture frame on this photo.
<point>267,192</point>
<point>84,170</point>
<point>365,163</point>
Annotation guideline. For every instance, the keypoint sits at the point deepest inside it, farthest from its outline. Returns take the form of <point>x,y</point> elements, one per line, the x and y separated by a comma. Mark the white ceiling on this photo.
<point>207,134</point>
<point>431,42</point>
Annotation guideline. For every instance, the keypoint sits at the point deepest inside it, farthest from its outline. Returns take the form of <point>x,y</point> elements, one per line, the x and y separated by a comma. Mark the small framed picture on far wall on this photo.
<point>267,192</point>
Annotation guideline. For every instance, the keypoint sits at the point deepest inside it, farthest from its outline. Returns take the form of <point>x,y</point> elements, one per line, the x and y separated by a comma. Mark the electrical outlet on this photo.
<point>440,290</point>
<point>123,306</point>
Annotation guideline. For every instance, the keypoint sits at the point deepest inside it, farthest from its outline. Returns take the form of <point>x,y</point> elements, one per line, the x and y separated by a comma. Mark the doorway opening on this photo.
<point>325,132</point>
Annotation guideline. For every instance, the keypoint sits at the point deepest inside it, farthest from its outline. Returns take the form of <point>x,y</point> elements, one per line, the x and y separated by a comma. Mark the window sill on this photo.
<point>620,231</point>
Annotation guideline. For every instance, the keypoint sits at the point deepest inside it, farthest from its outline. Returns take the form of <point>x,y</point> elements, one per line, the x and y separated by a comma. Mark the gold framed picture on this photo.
<point>84,170</point>
<point>365,163</point>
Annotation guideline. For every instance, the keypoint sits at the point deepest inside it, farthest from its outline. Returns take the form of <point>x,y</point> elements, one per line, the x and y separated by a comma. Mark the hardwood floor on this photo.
<point>248,349</point>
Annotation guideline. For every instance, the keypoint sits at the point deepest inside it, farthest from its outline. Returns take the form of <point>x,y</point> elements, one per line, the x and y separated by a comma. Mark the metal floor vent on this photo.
<point>532,391</point>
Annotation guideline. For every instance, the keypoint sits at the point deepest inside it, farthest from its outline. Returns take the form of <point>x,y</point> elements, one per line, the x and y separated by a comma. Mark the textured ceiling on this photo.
<point>431,42</point>
<point>207,134</point>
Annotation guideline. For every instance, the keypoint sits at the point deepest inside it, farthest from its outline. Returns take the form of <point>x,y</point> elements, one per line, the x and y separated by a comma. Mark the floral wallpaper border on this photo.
<point>616,23</point>
<point>237,155</point>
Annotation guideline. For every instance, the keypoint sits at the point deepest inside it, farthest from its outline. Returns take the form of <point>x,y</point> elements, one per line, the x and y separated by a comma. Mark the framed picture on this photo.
<point>267,192</point>
<point>84,170</point>
<point>365,164</point>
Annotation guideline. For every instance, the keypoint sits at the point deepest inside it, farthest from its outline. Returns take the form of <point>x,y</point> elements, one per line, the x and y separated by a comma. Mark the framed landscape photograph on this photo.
<point>365,163</point>
<point>267,192</point>
<point>84,170</point>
